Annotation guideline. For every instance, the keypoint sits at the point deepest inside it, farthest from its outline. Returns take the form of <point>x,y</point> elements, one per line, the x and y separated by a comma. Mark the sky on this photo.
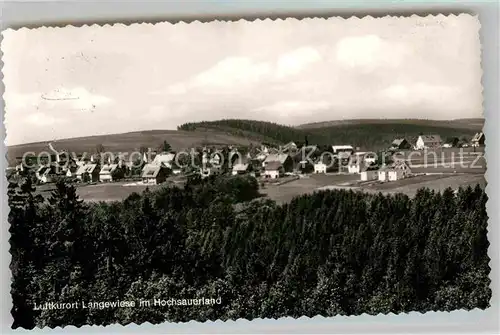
<point>93,80</point>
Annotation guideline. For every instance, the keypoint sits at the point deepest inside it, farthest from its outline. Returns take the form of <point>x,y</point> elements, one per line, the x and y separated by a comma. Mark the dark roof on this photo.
<point>272,166</point>
<point>398,141</point>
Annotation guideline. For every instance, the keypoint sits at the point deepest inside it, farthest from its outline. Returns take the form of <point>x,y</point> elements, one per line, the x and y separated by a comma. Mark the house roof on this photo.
<point>398,141</point>
<point>273,166</point>
<point>394,166</point>
<point>240,167</point>
<point>108,168</point>
<point>342,147</point>
<point>89,168</point>
<point>164,157</point>
<point>281,158</point>
<point>430,138</point>
<point>151,170</point>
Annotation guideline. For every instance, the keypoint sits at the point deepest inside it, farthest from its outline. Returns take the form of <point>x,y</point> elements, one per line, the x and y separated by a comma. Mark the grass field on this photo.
<point>409,186</point>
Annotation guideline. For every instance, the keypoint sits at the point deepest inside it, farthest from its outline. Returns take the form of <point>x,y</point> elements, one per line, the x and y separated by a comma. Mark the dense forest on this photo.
<point>359,135</point>
<point>331,252</point>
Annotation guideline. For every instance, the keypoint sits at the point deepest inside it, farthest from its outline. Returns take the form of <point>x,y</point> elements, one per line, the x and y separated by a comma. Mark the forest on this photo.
<point>358,135</point>
<point>327,253</point>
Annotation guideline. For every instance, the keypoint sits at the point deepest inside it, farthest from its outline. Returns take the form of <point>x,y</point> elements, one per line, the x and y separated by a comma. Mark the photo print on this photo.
<point>225,170</point>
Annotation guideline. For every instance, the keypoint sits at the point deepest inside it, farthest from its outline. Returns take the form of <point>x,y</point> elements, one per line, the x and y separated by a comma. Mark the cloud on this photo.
<point>234,71</point>
<point>368,52</point>
<point>294,62</point>
<point>418,92</point>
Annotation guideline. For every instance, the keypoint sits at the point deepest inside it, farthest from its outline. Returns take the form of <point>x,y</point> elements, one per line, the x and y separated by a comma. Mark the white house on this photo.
<point>319,167</point>
<point>90,169</point>
<point>394,172</point>
<point>153,174</point>
<point>368,175</point>
<point>209,171</point>
<point>106,172</point>
<point>285,160</point>
<point>45,173</point>
<point>240,168</point>
<point>367,157</point>
<point>428,141</point>
<point>478,140</point>
<point>342,148</point>
<point>273,170</point>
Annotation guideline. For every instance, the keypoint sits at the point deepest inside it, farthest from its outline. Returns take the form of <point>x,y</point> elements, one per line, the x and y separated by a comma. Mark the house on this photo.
<point>320,167</point>
<point>154,174</point>
<point>400,144</point>
<point>342,148</point>
<point>290,146</point>
<point>106,172</point>
<point>71,171</point>
<point>165,158</point>
<point>285,160</point>
<point>478,140</point>
<point>88,173</point>
<point>209,171</point>
<point>394,172</point>
<point>428,141</point>
<point>369,174</point>
<point>241,168</point>
<point>274,170</point>
<point>46,173</point>
<point>360,160</point>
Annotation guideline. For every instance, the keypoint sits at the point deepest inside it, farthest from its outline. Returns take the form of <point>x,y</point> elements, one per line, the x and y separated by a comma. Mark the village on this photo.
<point>282,171</point>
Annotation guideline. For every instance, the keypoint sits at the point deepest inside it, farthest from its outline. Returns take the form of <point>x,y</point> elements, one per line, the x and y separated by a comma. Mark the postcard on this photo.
<point>226,170</point>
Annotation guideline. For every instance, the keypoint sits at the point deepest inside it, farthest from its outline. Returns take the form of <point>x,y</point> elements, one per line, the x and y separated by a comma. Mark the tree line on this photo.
<point>327,253</point>
<point>359,135</point>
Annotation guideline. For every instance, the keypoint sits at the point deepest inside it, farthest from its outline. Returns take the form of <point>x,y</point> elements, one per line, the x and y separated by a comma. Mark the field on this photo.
<point>131,142</point>
<point>409,186</point>
<point>452,160</point>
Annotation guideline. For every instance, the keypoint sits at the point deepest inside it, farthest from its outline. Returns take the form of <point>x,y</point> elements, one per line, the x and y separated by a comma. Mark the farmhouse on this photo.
<point>478,140</point>
<point>241,168</point>
<point>285,160</point>
<point>342,149</point>
<point>106,172</point>
<point>394,172</point>
<point>369,173</point>
<point>290,146</point>
<point>153,174</point>
<point>400,144</point>
<point>209,171</point>
<point>359,161</point>
<point>274,170</point>
<point>88,173</point>
<point>428,141</point>
<point>46,173</point>
<point>319,167</point>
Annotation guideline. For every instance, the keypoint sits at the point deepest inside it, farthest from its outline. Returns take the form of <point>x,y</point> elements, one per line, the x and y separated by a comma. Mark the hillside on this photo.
<point>366,134</point>
<point>130,142</point>
<point>476,124</point>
